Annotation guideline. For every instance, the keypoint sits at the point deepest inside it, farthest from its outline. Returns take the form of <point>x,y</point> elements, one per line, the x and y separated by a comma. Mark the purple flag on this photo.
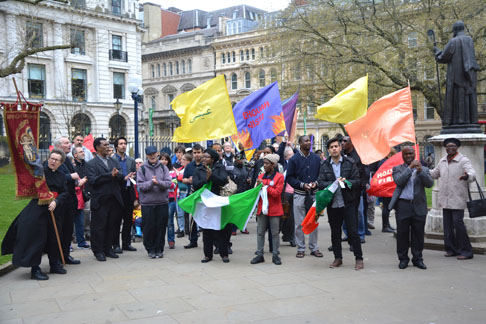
<point>288,108</point>
<point>259,116</point>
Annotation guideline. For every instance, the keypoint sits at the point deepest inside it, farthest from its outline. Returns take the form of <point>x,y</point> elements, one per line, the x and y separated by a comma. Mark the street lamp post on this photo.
<point>118,107</point>
<point>134,86</point>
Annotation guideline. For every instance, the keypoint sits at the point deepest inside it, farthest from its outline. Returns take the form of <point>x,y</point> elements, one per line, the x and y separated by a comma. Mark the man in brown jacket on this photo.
<point>455,172</point>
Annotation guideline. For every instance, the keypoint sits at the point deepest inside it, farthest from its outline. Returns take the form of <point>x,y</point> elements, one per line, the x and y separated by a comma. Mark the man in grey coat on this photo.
<point>410,203</point>
<point>455,172</point>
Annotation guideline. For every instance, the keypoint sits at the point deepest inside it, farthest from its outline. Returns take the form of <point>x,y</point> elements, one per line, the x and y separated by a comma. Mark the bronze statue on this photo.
<point>460,113</point>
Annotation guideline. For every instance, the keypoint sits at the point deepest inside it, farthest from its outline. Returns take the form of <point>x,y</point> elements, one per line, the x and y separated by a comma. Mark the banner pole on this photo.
<point>57,237</point>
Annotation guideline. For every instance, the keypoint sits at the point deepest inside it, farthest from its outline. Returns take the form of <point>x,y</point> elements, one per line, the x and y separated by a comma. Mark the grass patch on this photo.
<point>9,207</point>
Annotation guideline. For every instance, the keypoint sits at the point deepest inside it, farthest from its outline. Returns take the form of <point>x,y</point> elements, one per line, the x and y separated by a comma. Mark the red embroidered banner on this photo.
<point>22,128</point>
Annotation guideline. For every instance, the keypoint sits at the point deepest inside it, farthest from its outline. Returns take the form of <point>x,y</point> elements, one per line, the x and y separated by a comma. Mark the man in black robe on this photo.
<point>460,105</point>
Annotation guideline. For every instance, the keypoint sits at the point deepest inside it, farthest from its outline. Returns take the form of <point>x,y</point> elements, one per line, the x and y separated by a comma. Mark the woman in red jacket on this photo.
<point>274,184</point>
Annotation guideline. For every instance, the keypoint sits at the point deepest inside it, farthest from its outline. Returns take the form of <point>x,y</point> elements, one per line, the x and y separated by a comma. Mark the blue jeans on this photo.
<point>79,227</point>
<point>180,213</point>
<point>170,224</point>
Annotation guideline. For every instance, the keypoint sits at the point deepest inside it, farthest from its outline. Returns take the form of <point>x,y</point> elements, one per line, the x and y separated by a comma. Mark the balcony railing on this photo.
<point>116,55</point>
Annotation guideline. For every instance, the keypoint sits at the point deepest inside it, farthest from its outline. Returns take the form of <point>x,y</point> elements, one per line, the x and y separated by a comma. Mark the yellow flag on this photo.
<point>205,113</point>
<point>348,105</point>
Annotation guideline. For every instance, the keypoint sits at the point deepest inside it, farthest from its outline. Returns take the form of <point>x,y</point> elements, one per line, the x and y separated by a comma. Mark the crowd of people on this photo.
<point>129,198</point>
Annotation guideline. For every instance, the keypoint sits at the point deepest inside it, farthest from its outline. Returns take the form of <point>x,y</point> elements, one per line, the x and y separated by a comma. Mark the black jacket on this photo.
<point>102,183</point>
<point>219,177</point>
<point>240,177</point>
<point>349,171</point>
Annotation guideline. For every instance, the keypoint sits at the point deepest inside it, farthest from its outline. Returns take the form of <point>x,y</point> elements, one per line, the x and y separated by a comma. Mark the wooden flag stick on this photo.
<point>57,237</point>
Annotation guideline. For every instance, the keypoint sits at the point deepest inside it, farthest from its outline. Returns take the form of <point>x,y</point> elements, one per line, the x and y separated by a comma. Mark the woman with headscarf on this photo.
<point>273,182</point>
<point>211,170</point>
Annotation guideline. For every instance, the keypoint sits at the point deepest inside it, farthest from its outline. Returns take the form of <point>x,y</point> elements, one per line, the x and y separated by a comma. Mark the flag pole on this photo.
<point>57,237</point>
<point>305,117</point>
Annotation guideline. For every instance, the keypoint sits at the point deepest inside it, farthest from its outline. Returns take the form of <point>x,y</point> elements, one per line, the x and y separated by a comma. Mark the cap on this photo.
<point>149,150</point>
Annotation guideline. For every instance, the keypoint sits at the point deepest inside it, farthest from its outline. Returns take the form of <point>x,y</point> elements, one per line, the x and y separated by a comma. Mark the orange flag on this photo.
<point>388,122</point>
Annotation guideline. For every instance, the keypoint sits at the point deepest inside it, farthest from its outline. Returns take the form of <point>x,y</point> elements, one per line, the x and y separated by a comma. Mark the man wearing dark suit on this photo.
<point>410,204</point>
<point>105,179</point>
<point>127,165</point>
<point>73,180</point>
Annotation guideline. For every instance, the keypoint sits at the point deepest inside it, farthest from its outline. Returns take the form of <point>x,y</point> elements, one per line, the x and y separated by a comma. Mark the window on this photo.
<point>261,52</point>
<point>189,66</point>
<point>78,84</point>
<point>183,67</point>
<point>297,75</point>
<point>158,70</point>
<point>252,53</point>
<point>116,42</point>
<point>240,27</point>
<point>261,77</point>
<point>229,57</point>
<point>234,56</point>
<point>37,81</point>
<point>177,67</point>
<point>170,97</point>
<point>273,75</point>
<point>247,55</point>
<point>152,69</point>
<point>116,7</point>
<point>80,4</point>
<point>414,107</point>
<point>428,111</point>
<point>247,80</point>
<point>165,69</point>
<point>222,58</point>
<point>152,102</point>
<point>234,82</point>
<point>310,71</point>
<point>412,40</point>
<point>77,41</point>
<point>44,131</point>
<point>81,124</point>
<point>242,56</point>
<point>119,85</point>
<point>171,71</point>
<point>34,34</point>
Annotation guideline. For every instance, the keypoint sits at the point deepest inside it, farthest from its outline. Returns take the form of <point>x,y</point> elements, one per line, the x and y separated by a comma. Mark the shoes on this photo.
<point>71,248</point>
<point>37,274</point>
<point>230,251</point>
<point>111,254</point>
<point>336,263</point>
<point>84,246</point>
<point>317,254</point>
<point>225,259</point>
<point>216,251</point>
<point>58,269</point>
<point>100,257</point>
<point>171,245</point>
<point>180,234</point>
<point>159,255</point>
<point>129,247</point>
<point>368,233</point>
<point>233,233</point>
<point>451,254</point>
<point>388,229</point>
<point>463,257</point>
<point>206,260</point>
<point>117,250</point>
<point>363,241</point>
<point>403,264</point>
<point>152,255</point>
<point>359,265</point>
<point>292,243</point>
<point>276,260</point>
<point>71,260</point>
<point>420,265</point>
<point>300,254</point>
<point>371,226</point>
<point>245,232</point>
<point>330,248</point>
<point>190,245</point>
<point>257,259</point>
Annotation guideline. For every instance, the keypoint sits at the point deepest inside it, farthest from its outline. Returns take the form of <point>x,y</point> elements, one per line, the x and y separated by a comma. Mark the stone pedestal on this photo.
<point>472,146</point>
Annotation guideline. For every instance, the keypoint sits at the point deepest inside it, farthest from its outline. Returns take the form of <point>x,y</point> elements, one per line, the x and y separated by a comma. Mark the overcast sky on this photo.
<point>210,5</point>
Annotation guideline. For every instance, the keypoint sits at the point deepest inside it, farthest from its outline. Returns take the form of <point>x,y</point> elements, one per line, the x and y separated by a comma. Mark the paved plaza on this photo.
<point>180,289</point>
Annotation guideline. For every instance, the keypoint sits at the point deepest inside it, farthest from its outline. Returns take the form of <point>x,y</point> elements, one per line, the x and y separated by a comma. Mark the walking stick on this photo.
<point>57,237</point>
<point>431,34</point>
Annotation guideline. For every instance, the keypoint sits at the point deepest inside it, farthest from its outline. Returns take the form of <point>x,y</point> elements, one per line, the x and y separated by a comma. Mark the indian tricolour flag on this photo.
<point>211,211</point>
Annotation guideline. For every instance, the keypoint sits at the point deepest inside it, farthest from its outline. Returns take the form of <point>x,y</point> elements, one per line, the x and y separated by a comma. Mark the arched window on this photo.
<point>273,75</point>
<point>81,124</point>
<point>242,56</point>
<point>261,77</point>
<point>247,80</point>
<point>252,53</point>
<point>222,58</point>
<point>234,82</point>
<point>118,126</point>
<point>189,66</point>
<point>183,67</point>
<point>44,131</point>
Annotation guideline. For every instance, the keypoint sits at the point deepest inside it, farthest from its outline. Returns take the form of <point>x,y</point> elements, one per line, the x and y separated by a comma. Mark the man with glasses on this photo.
<point>455,172</point>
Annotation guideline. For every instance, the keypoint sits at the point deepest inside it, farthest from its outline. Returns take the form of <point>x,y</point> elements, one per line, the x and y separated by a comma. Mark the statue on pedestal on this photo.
<point>460,113</point>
